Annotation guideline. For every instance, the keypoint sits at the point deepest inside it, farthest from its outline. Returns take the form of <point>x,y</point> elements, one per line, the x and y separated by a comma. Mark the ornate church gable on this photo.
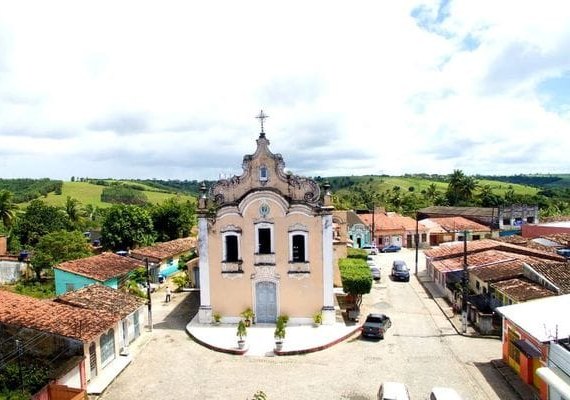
<point>264,170</point>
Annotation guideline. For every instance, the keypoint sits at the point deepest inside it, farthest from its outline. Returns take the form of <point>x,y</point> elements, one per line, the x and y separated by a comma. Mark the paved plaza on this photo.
<point>421,349</point>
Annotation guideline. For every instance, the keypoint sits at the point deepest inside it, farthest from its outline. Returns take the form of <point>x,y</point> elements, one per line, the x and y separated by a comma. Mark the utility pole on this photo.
<point>148,294</point>
<point>416,239</point>
<point>373,244</point>
<point>465,280</point>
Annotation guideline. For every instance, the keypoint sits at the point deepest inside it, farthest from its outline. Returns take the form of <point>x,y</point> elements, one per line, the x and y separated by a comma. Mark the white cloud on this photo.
<point>142,89</point>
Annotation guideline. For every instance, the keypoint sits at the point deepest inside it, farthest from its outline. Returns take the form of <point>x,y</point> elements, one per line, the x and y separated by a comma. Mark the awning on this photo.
<point>528,349</point>
<point>559,383</point>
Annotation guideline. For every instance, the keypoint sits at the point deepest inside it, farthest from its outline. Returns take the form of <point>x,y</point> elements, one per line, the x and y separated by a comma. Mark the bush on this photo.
<point>181,281</point>
<point>356,253</point>
<point>356,278</point>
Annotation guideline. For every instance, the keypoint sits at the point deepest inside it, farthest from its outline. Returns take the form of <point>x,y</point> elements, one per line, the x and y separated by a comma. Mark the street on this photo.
<point>421,349</point>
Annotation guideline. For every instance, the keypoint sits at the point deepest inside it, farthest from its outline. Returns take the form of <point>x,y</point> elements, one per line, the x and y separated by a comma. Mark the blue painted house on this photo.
<point>358,231</point>
<point>107,269</point>
<point>163,257</point>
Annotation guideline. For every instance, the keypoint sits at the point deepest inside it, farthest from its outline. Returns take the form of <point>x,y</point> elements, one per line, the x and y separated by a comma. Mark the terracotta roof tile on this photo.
<point>391,222</point>
<point>522,289</point>
<point>476,246</point>
<point>454,224</point>
<point>103,298</point>
<point>101,267</point>
<point>488,265</point>
<point>558,273</point>
<point>162,251</point>
<point>52,317</point>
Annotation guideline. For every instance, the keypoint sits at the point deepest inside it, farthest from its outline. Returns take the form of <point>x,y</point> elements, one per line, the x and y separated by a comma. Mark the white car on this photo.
<point>393,391</point>
<point>443,393</point>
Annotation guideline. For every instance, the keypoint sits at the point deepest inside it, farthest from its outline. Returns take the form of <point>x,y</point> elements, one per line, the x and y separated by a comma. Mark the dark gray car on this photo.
<point>400,271</point>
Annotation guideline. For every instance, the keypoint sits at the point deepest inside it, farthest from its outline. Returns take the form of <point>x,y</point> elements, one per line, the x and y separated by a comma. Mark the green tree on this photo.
<point>57,247</point>
<point>126,227</point>
<point>356,278</point>
<point>460,188</point>
<point>7,208</point>
<point>73,210</point>
<point>173,219</point>
<point>39,220</point>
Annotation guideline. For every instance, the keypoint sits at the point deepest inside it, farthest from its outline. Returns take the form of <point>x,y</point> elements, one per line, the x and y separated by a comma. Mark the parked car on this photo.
<point>393,391</point>
<point>400,271</point>
<point>376,325</point>
<point>375,273</point>
<point>391,248</point>
<point>370,261</point>
<point>443,393</point>
<point>370,249</point>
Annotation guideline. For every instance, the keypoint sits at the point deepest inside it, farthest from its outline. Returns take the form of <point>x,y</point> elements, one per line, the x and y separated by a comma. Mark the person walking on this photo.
<point>168,294</point>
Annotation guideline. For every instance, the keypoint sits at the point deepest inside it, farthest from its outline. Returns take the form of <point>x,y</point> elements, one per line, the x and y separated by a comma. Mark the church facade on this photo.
<point>265,243</point>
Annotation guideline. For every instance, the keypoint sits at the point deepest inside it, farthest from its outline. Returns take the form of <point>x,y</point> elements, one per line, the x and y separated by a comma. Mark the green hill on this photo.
<point>88,193</point>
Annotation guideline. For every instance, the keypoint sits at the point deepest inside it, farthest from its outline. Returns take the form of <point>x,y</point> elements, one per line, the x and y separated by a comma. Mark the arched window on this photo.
<point>298,247</point>
<point>263,173</point>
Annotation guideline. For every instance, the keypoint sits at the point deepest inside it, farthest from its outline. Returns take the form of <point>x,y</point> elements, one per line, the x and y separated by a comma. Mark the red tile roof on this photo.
<point>391,222</point>
<point>488,265</point>
<point>101,267</point>
<point>477,246</point>
<point>163,251</point>
<point>52,317</point>
<point>103,298</point>
<point>454,224</point>
<point>522,289</point>
<point>558,273</point>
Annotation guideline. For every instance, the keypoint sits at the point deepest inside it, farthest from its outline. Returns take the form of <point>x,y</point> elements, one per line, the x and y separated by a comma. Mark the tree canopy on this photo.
<point>57,247</point>
<point>126,227</point>
<point>38,220</point>
<point>173,219</point>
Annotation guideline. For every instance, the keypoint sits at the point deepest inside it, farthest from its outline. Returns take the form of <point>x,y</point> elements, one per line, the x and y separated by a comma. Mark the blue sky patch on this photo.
<point>555,92</point>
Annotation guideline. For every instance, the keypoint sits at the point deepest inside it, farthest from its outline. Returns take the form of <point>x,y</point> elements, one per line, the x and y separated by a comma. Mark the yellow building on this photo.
<point>266,243</point>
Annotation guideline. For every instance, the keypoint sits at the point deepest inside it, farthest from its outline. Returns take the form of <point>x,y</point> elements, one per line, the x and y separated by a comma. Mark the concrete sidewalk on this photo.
<point>299,339</point>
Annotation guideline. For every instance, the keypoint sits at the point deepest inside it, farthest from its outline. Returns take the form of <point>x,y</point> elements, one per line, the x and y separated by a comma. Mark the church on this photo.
<point>266,243</point>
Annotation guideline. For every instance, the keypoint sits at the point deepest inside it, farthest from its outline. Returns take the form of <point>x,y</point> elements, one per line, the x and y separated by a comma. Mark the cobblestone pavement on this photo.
<point>421,349</point>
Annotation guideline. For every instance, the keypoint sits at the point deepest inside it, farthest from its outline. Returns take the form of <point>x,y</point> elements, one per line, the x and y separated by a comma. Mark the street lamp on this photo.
<point>148,291</point>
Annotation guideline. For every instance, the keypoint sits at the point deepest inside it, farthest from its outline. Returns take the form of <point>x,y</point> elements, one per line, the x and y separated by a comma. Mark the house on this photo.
<point>266,243</point>
<point>507,220</point>
<point>107,268</point>
<point>529,331</point>
<point>358,231</point>
<point>552,275</point>
<point>12,267</point>
<point>452,229</point>
<point>164,257</point>
<point>445,263</point>
<point>81,333</point>
<point>556,374</point>
<point>391,228</point>
<point>518,290</point>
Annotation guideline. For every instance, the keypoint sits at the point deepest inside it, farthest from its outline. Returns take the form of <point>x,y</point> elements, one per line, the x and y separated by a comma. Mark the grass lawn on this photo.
<point>88,193</point>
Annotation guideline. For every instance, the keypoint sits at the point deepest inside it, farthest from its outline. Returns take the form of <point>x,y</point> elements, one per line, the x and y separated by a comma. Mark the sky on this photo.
<point>170,89</point>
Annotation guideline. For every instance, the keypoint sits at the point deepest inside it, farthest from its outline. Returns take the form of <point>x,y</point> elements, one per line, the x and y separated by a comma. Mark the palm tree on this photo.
<point>73,210</point>
<point>7,208</point>
<point>432,192</point>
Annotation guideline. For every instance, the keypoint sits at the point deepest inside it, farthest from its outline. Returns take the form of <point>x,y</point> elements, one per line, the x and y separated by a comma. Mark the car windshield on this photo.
<point>374,319</point>
<point>401,267</point>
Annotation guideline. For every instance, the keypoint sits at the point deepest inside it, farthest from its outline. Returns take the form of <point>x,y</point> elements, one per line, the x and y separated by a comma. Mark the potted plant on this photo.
<point>248,316</point>
<point>317,319</point>
<point>279,333</point>
<point>241,333</point>
<point>217,318</point>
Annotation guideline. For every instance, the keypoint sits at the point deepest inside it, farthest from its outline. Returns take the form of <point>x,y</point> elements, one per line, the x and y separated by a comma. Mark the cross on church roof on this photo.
<point>261,117</point>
